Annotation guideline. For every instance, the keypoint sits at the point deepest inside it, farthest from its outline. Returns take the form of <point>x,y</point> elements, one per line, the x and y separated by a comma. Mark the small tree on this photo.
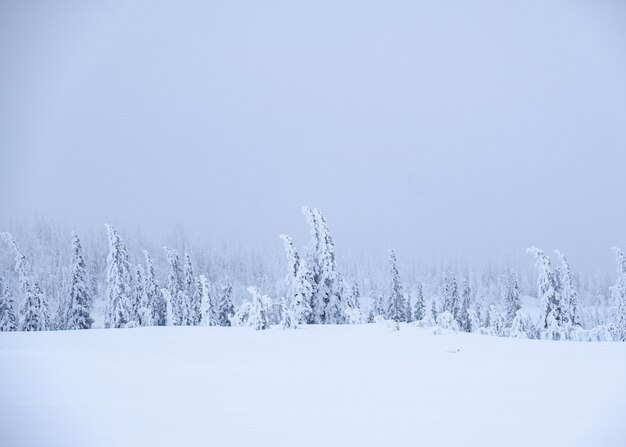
<point>419,309</point>
<point>257,315</point>
<point>119,282</point>
<point>396,308</point>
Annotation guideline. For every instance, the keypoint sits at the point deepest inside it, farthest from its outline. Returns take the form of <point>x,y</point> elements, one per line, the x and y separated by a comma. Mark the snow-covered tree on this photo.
<point>569,295</point>
<point>8,322</point>
<point>419,308</point>
<point>34,314</point>
<point>300,290</point>
<point>119,291</point>
<point>378,307</point>
<point>326,302</point>
<point>551,324</point>
<point>79,300</point>
<point>522,326</point>
<point>463,317</point>
<point>207,307</point>
<point>352,310</point>
<point>224,308</point>
<point>257,314</point>
<point>288,317</point>
<point>169,307</point>
<point>142,300</point>
<point>176,287</point>
<point>396,307</point>
<point>512,300</point>
<point>450,295</point>
<point>497,321</point>
<point>619,294</point>
<point>191,290</point>
<point>155,300</point>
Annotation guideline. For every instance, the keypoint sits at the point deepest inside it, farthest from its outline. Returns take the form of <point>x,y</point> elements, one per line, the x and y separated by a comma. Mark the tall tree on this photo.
<point>175,285</point>
<point>155,299</point>
<point>79,302</point>
<point>119,282</point>
<point>191,290</point>
<point>569,295</point>
<point>512,300</point>
<point>300,290</point>
<point>396,307</point>
<point>207,307</point>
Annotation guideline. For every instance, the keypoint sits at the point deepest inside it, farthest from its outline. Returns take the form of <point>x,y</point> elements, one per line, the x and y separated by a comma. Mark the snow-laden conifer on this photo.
<point>419,308</point>
<point>224,308</point>
<point>551,323</point>
<point>569,295</point>
<point>79,300</point>
<point>175,286</point>
<point>8,321</point>
<point>119,290</point>
<point>299,288</point>
<point>396,308</point>
<point>512,300</point>
<point>207,307</point>
<point>619,294</point>
<point>152,290</point>
<point>257,314</point>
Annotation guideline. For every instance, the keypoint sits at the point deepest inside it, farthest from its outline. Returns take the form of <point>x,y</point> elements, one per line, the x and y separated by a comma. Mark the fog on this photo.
<point>443,129</point>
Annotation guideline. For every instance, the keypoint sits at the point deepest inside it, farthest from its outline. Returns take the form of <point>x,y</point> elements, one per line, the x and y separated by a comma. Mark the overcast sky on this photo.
<point>444,128</point>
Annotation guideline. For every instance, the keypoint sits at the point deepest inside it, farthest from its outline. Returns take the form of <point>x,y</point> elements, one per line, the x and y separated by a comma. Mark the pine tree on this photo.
<point>288,318</point>
<point>569,296</point>
<point>409,310</point>
<point>419,309</point>
<point>396,308</point>
<point>257,317</point>
<point>313,262</point>
<point>119,283</point>
<point>551,325</point>
<point>352,310</point>
<point>450,292</point>
<point>300,290</point>
<point>8,322</point>
<point>619,294</point>
<point>224,309</point>
<point>79,302</point>
<point>378,307</point>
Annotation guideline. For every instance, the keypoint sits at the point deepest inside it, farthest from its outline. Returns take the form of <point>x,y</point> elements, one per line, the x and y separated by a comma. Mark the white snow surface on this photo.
<point>351,385</point>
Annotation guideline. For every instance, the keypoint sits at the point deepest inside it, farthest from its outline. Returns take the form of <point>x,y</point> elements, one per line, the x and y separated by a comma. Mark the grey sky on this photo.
<point>439,128</point>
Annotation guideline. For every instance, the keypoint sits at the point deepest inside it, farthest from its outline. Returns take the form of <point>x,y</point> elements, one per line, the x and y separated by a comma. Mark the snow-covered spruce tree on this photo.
<point>396,307</point>
<point>175,285</point>
<point>419,308</point>
<point>497,321</point>
<point>326,302</point>
<point>191,290</point>
<point>8,322</point>
<point>257,314</point>
<point>522,326</point>
<point>313,263</point>
<point>409,309</point>
<point>618,291</point>
<point>79,300</point>
<point>551,323</point>
<point>378,307</point>
<point>224,308</point>
<point>463,318</point>
<point>450,295</point>
<point>169,307</point>
<point>569,295</point>
<point>330,280</point>
<point>352,310</point>
<point>207,311</point>
<point>34,315</point>
<point>300,290</point>
<point>142,300</point>
<point>512,300</point>
<point>119,291</point>
<point>154,297</point>
<point>288,317</point>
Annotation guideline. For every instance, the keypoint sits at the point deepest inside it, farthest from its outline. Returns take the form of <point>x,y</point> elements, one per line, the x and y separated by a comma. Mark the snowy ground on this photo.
<point>318,386</point>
